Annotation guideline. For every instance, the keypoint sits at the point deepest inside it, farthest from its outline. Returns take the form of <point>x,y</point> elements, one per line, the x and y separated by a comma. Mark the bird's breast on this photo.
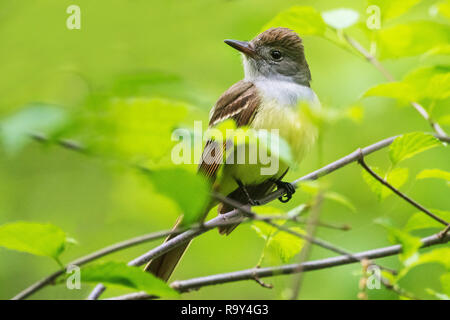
<point>280,109</point>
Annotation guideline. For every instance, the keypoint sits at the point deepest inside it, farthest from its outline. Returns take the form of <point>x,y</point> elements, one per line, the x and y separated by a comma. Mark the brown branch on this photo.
<point>249,274</point>
<point>189,235</point>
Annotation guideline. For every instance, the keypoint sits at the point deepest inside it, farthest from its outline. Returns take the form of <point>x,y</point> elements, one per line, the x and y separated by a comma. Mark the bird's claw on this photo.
<point>289,190</point>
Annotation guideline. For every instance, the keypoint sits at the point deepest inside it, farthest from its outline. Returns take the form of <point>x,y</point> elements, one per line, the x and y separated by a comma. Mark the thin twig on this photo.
<point>399,193</point>
<point>249,274</point>
<point>444,232</point>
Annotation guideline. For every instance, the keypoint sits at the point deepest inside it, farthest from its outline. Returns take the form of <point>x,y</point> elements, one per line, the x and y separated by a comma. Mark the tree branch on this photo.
<point>249,274</point>
<point>189,235</point>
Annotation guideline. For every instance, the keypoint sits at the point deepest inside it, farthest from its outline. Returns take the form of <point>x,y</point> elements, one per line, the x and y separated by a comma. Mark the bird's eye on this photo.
<point>276,54</point>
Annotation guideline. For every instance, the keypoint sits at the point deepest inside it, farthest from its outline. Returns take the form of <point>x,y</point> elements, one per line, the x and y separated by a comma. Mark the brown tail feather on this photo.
<point>163,266</point>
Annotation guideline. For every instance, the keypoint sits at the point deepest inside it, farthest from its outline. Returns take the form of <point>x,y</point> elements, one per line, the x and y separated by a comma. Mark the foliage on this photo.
<point>119,274</point>
<point>35,238</point>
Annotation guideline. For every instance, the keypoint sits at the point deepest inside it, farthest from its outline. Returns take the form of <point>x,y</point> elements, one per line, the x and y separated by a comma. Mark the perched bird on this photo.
<point>277,80</point>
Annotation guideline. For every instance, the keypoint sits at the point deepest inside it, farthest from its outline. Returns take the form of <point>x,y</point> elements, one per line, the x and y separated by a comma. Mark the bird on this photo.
<point>276,81</point>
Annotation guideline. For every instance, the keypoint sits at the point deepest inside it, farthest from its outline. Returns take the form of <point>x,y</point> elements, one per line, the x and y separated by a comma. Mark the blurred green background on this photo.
<point>99,202</point>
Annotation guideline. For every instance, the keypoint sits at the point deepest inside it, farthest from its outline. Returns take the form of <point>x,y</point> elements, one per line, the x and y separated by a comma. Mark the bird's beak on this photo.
<point>242,46</point>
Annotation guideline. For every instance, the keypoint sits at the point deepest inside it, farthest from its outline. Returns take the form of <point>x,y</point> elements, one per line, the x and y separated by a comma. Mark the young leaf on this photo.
<point>422,83</point>
<point>187,189</point>
<point>395,90</point>
<point>340,18</point>
<point>409,243</point>
<point>410,144</point>
<point>119,274</point>
<point>286,245</point>
<point>283,244</point>
<point>339,198</point>
<point>312,188</point>
<point>440,256</point>
<point>430,82</point>
<point>396,177</point>
<point>35,238</point>
<point>434,173</point>
<point>303,20</point>
<point>421,221</point>
<point>137,127</point>
<point>412,38</point>
<point>37,117</point>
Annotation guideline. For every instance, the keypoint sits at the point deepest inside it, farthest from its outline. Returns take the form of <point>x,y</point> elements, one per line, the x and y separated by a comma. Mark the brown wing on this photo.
<point>240,103</point>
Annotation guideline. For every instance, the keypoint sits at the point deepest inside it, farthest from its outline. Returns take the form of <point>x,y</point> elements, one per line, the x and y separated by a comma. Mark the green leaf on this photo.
<point>434,173</point>
<point>423,83</point>
<point>396,90</point>
<point>154,83</point>
<point>396,177</point>
<point>412,38</point>
<point>313,188</point>
<point>409,243</point>
<point>410,144</point>
<point>340,18</point>
<point>419,220</point>
<point>39,239</point>
<point>190,191</point>
<point>339,198</point>
<point>119,274</point>
<point>33,118</point>
<point>391,9</point>
<point>287,245</point>
<point>281,243</point>
<point>440,256</point>
<point>138,128</point>
<point>303,20</point>
<point>430,82</point>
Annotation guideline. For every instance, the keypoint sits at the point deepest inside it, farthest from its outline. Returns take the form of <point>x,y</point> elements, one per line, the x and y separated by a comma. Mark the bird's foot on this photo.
<point>288,188</point>
<point>252,202</point>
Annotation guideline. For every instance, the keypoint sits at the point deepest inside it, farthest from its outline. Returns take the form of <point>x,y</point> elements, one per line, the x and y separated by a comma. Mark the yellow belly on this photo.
<point>293,128</point>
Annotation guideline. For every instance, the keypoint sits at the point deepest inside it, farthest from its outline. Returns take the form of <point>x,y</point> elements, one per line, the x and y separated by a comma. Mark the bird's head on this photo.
<point>275,54</point>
